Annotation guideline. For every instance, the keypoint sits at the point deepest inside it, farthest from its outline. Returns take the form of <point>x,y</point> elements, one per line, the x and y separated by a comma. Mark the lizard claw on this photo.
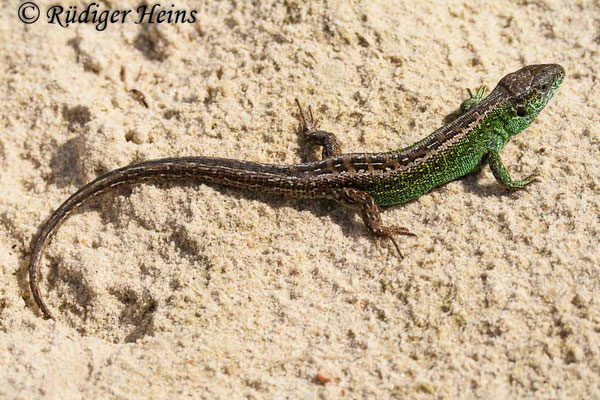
<point>309,124</point>
<point>399,230</point>
<point>528,180</point>
<point>396,246</point>
<point>522,184</point>
<point>391,232</point>
<point>473,99</point>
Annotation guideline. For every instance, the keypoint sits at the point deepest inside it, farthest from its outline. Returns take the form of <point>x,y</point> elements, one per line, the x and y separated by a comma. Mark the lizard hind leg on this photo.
<point>309,128</point>
<point>363,202</point>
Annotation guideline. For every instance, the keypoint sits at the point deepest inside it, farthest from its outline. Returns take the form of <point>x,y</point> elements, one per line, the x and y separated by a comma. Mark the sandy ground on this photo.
<point>182,289</point>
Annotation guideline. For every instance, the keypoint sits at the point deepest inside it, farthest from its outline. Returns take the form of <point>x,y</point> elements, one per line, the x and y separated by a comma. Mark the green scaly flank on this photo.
<point>485,126</point>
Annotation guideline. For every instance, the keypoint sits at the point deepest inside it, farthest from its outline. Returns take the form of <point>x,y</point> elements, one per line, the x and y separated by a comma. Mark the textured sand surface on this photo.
<point>178,288</point>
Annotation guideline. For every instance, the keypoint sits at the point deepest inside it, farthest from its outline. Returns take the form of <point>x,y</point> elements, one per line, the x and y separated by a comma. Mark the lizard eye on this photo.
<point>521,112</point>
<point>545,86</point>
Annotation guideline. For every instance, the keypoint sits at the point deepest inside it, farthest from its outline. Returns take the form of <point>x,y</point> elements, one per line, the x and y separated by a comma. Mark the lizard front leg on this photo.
<point>502,175</point>
<point>309,127</point>
<point>363,202</point>
<point>473,100</point>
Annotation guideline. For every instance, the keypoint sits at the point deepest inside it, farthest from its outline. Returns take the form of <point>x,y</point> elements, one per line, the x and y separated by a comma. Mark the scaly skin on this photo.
<point>462,146</point>
<point>361,181</point>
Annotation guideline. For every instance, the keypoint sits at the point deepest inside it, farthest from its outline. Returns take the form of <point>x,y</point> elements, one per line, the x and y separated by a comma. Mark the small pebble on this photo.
<point>323,377</point>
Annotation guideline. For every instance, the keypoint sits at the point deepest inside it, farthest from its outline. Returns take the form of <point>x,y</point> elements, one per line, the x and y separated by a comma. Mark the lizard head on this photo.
<point>529,90</point>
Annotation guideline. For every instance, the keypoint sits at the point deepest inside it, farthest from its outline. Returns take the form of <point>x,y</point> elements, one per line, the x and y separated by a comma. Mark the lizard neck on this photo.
<point>485,115</point>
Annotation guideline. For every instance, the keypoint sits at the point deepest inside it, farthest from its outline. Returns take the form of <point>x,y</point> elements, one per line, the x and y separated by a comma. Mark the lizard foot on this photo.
<point>391,232</point>
<point>473,99</point>
<point>528,180</point>
<point>309,127</point>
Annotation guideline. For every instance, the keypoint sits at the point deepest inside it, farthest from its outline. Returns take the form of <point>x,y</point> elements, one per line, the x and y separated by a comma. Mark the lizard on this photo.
<point>359,181</point>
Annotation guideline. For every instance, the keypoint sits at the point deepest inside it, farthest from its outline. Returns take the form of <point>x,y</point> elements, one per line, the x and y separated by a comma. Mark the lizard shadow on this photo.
<point>62,164</point>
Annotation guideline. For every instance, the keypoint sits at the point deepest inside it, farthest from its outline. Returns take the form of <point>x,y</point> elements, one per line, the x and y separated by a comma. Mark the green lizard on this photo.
<point>362,181</point>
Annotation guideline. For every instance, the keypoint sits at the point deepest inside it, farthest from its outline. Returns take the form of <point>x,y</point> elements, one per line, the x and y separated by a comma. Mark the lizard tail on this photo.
<point>288,180</point>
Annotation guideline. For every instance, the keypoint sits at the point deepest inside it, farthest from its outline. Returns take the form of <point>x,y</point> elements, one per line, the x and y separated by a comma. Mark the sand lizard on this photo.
<point>361,181</point>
